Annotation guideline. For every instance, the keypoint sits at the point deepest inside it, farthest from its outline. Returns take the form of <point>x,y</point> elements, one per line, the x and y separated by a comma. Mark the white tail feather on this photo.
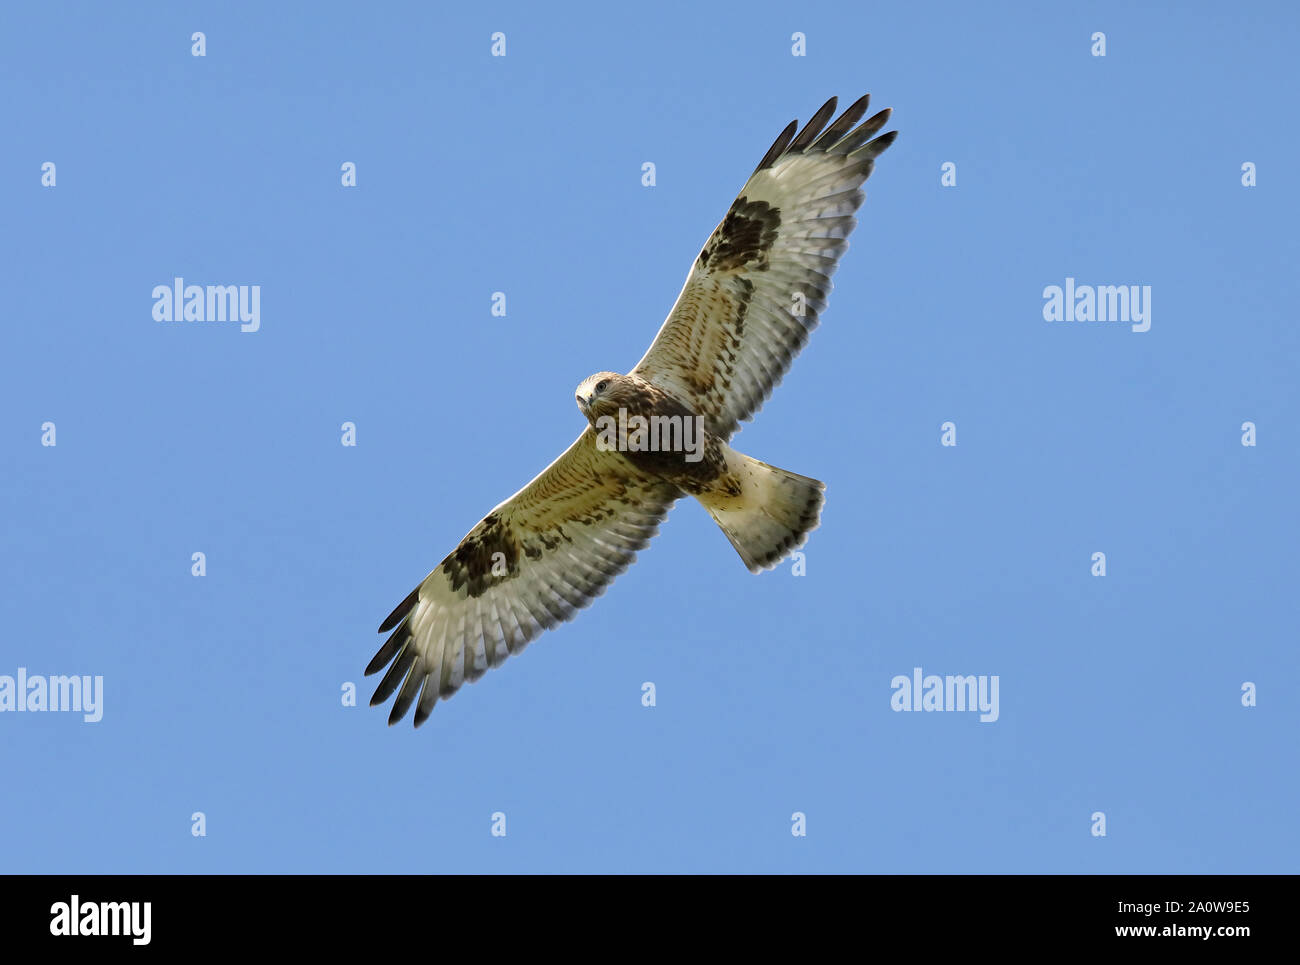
<point>772,516</point>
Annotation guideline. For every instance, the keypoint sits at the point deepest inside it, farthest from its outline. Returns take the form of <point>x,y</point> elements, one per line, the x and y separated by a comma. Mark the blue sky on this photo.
<point>1119,694</point>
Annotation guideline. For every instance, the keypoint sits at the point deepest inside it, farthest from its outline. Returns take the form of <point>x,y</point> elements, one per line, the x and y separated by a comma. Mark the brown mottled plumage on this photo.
<point>753,295</point>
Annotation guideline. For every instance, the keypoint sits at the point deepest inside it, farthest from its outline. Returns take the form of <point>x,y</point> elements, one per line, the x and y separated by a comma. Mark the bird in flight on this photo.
<point>658,433</point>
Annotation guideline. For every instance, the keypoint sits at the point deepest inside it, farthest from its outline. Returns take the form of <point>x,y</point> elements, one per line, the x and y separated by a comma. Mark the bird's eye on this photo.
<point>602,386</point>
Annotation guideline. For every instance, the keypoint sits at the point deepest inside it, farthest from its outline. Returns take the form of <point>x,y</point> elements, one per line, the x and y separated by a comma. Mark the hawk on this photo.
<point>658,433</point>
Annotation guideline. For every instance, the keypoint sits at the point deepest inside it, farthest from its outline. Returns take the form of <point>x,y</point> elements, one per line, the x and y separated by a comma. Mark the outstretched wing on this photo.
<point>761,281</point>
<point>531,563</point>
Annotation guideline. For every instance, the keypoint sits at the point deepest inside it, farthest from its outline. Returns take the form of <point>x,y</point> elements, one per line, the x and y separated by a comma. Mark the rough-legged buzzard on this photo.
<point>660,432</point>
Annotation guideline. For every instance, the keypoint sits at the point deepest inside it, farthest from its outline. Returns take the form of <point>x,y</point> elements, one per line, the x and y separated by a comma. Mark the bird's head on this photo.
<point>601,394</point>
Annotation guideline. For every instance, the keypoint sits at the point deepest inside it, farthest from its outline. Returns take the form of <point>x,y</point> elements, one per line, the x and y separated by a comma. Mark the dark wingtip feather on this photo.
<point>877,147</point>
<point>423,710</point>
<point>843,124</point>
<point>854,140</point>
<point>406,696</point>
<point>839,138</point>
<point>778,146</point>
<point>396,674</point>
<point>402,610</point>
<point>388,650</point>
<point>813,127</point>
